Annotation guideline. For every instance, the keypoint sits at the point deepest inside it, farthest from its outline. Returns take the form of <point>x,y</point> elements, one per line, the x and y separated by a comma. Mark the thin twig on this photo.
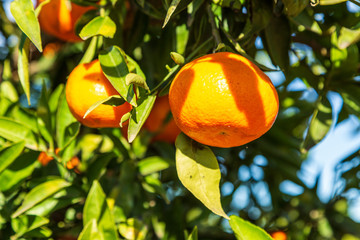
<point>214,29</point>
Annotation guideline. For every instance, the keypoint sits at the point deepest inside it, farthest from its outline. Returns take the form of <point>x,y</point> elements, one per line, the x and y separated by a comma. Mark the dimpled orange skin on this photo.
<point>58,18</point>
<point>223,100</point>
<point>85,86</point>
<point>156,122</point>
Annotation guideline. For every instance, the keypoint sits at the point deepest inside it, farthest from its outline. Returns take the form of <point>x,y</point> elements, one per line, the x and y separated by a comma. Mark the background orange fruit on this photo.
<point>279,235</point>
<point>86,85</point>
<point>44,159</point>
<point>223,100</point>
<point>158,122</point>
<point>58,18</point>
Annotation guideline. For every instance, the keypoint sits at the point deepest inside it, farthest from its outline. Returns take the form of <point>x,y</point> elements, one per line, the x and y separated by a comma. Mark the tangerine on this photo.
<point>159,123</point>
<point>85,86</point>
<point>58,18</point>
<point>223,100</point>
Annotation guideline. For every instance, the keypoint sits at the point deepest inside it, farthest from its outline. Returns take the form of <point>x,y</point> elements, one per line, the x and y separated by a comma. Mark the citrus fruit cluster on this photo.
<point>44,160</point>
<point>221,100</point>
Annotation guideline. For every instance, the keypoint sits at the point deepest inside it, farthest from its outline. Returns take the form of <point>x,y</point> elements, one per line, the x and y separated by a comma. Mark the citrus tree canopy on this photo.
<point>179,119</point>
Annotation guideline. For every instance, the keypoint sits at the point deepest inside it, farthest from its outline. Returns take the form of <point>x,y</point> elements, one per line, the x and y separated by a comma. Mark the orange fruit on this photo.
<point>72,163</point>
<point>85,86</point>
<point>58,18</point>
<point>279,235</point>
<point>223,100</point>
<point>159,124</point>
<point>51,49</point>
<point>44,159</point>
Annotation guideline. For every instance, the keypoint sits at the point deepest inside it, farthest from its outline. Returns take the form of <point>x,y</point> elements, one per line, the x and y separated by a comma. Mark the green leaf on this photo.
<point>23,65</point>
<point>114,100</point>
<point>344,61</point>
<point>39,233</point>
<point>294,7</point>
<point>351,96</point>
<point>113,64</point>
<point>9,154</point>
<point>125,118</point>
<point>308,22</point>
<point>40,193</point>
<point>67,127</point>
<point>64,198</point>
<point>96,207</point>
<point>139,115</point>
<point>54,98</point>
<point>25,117</point>
<point>321,121</point>
<point>91,50</point>
<point>27,223</point>
<point>45,123</point>
<point>24,15</point>
<point>103,26</point>
<point>18,171</point>
<point>134,67</point>
<point>199,172</point>
<point>8,91</point>
<point>229,3</point>
<point>98,167</point>
<point>90,231</point>
<point>194,234</point>
<point>277,35</point>
<point>153,164</point>
<point>170,11</point>
<point>245,230</point>
<point>16,132</point>
<point>154,185</point>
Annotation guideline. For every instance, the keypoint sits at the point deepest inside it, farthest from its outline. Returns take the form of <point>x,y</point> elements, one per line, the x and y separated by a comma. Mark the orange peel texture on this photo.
<point>223,100</point>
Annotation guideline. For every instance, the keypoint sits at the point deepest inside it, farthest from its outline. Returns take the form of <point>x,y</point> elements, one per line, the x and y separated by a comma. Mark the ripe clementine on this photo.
<point>86,85</point>
<point>158,123</point>
<point>223,100</point>
<point>279,235</point>
<point>58,18</point>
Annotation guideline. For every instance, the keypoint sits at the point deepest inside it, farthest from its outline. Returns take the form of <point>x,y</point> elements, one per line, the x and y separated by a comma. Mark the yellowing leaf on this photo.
<point>103,26</point>
<point>170,11</point>
<point>199,172</point>
<point>24,15</point>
